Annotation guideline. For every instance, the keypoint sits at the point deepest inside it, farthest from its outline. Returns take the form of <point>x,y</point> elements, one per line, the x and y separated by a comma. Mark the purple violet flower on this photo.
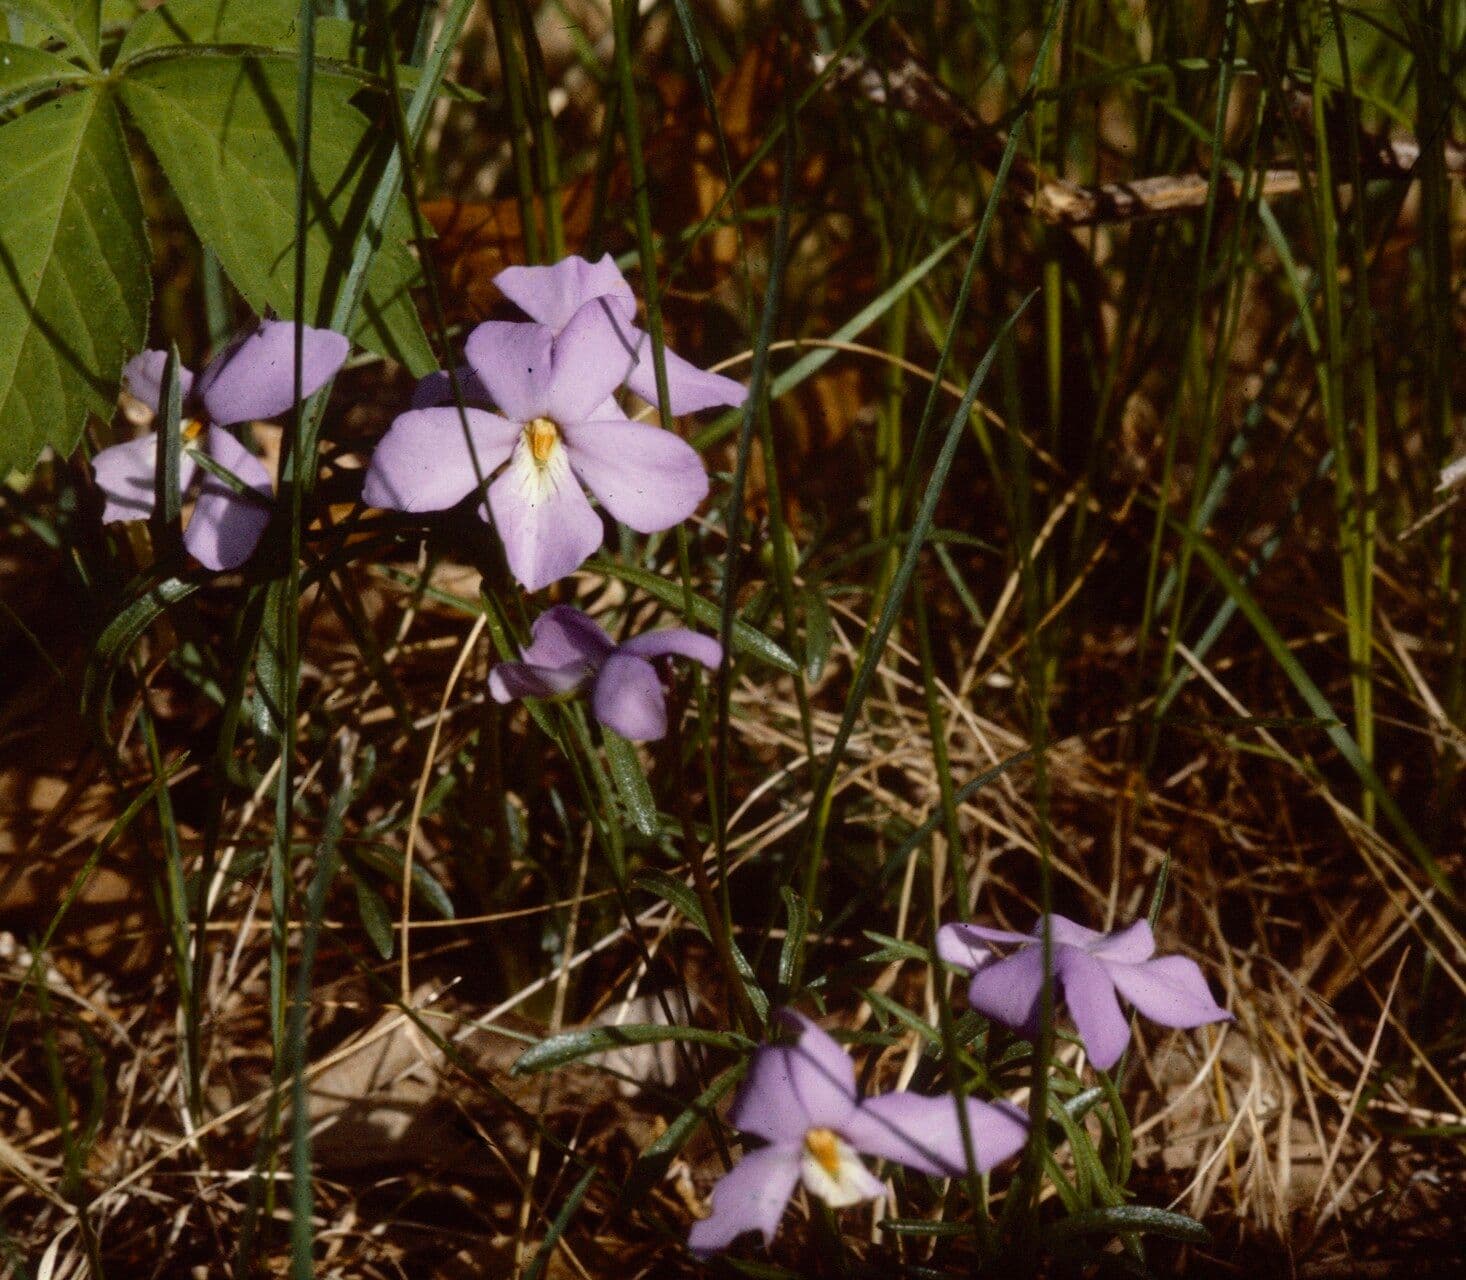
<point>251,379</point>
<point>560,429</point>
<point>800,1098</point>
<point>568,650</point>
<point>1091,968</point>
<point>552,295</point>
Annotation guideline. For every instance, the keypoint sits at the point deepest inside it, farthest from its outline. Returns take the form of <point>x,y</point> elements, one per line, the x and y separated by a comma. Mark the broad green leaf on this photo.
<point>77,22</point>
<point>73,272</point>
<point>222,129</point>
<point>260,24</point>
<point>560,1050</point>
<point>27,72</point>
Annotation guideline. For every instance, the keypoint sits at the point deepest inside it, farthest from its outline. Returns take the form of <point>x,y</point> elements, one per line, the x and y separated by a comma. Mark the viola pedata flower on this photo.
<point>1091,968</point>
<point>557,428</point>
<point>552,295</point>
<point>800,1098</point>
<point>251,379</point>
<point>568,651</point>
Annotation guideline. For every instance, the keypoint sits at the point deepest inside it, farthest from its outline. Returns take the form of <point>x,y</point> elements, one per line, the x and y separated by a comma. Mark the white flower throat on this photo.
<point>831,1170</point>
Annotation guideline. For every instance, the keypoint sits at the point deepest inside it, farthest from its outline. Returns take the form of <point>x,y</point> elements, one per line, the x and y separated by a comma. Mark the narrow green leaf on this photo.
<point>651,1165</point>
<point>746,639</point>
<point>568,1210</point>
<point>670,889</point>
<point>74,264</point>
<point>26,73</point>
<point>221,128</point>
<point>797,911</point>
<point>631,782</point>
<point>375,918</point>
<point>122,633</point>
<point>1130,1217</point>
<point>572,1046</point>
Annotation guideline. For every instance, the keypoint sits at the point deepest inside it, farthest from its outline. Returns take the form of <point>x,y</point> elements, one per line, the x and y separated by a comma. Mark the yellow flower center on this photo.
<point>543,435</point>
<point>191,429</point>
<point>824,1146</point>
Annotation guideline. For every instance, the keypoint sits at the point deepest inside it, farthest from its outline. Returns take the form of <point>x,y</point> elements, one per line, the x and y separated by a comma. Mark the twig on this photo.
<point>911,87</point>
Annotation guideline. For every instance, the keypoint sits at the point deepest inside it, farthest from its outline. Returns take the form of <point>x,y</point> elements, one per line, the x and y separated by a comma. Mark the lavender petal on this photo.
<point>142,378</point>
<point>424,462</point>
<point>926,1133</point>
<point>751,1196</point>
<point>127,476</point>
<point>679,641</point>
<point>544,520</point>
<point>645,477</point>
<point>254,376</point>
<point>551,295</point>
<point>1172,991</point>
<point>225,527</point>
<point>628,698</point>
<point>1090,994</point>
<point>515,364</point>
<point>689,389</point>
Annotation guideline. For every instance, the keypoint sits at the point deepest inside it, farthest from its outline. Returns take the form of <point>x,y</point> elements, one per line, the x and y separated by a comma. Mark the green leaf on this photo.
<point>636,792</point>
<point>1131,1217</point>
<point>259,24</point>
<point>746,639</point>
<point>73,272</point>
<point>670,889</point>
<point>27,72</point>
<point>222,128</point>
<point>77,22</point>
<point>798,912</point>
<point>560,1050</point>
<point>375,918</point>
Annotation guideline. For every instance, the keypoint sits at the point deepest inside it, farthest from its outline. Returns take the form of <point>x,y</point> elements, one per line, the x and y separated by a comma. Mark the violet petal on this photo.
<point>1130,945</point>
<point>793,1088</point>
<point>225,527</point>
<point>436,389</point>
<point>142,378</point>
<point>544,520</point>
<point>254,376</point>
<point>511,680</point>
<point>1171,990</point>
<point>1090,994</point>
<point>1010,990</point>
<point>515,365</point>
<point>645,477</point>
<point>926,1133</point>
<point>628,698</point>
<point>562,635</point>
<point>551,295</point>
<point>126,474</point>
<point>679,641</point>
<point>591,360</point>
<point>751,1196</point>
<point>690,389</point>
<point>966,945</point>
<point>424,463</point>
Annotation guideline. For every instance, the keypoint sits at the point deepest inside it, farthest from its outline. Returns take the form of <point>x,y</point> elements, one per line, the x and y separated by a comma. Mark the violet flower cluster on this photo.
<point>801,1099</point>
<point>253,378</point>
